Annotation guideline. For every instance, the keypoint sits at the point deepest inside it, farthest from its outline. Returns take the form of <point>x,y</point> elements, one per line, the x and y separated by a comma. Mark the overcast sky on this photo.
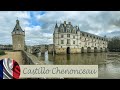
<point>39,25</point>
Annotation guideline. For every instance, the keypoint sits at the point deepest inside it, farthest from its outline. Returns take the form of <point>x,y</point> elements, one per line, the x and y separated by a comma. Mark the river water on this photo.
<point>108,63</point>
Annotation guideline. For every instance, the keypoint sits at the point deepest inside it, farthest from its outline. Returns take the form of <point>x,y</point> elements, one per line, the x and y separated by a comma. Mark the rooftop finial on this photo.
<point>17,21</point>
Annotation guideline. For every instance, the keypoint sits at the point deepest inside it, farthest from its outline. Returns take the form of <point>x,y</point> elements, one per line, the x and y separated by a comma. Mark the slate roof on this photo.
<point>17,27</point>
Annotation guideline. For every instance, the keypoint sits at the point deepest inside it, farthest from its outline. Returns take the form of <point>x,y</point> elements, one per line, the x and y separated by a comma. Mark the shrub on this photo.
<point>2,52</point>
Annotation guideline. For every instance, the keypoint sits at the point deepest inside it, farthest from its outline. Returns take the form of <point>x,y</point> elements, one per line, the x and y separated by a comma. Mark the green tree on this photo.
<point>114,44</point>
<point>2,52</point>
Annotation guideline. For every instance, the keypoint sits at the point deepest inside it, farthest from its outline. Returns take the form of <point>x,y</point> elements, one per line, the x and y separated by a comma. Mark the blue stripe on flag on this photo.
<point>1,69</point>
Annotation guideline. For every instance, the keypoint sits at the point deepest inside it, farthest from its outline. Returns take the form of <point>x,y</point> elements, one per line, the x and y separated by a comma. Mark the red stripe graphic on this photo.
<point>16,70</point>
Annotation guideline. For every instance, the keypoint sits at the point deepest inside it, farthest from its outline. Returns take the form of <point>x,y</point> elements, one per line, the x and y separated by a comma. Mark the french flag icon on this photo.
<point>9,69</point>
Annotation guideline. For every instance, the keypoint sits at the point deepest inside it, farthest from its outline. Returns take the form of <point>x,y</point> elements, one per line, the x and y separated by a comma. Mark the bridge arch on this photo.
<point>82,50</point>
<point>68,50</point>
<point>101,50</point>
<point>36,50</point>
<point>95,49</point>
<point>88,49</point>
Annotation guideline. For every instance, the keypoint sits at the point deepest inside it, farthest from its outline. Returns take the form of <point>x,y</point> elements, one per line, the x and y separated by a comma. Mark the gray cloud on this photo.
<point>96,22</point>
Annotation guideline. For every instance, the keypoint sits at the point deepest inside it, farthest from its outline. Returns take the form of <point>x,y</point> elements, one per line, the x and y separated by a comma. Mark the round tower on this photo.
<point>18,37</point>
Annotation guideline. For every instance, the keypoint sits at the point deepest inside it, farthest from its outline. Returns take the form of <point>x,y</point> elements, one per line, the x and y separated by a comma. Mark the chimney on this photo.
<point>64,22</point>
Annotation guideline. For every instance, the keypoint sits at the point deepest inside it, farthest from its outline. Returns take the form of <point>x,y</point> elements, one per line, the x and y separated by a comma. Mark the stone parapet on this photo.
<point>29,59</point>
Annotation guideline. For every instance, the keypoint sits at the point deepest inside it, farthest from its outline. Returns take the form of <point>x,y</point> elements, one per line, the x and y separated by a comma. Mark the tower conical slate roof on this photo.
<point>17,27</point>
<point>78,29</point>
<point>56,26</point>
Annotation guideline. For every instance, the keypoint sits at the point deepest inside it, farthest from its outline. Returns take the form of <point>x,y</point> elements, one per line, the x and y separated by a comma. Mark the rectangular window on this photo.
<point>62,41</point>
<point>61,36</point>
<point>73,42</point>
<point>68,41</point>
<point>74,37</point>
<point>68,35</point>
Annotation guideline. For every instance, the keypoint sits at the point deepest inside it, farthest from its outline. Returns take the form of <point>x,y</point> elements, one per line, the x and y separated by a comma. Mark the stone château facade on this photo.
<point>70,39</point>
<point>18,37</point>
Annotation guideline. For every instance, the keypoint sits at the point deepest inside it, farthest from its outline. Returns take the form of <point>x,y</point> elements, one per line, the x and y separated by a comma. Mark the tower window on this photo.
<point>68,35</point>
<point>74,37</point>
<point>73,42</point>
<point>68,41</point>
<point>61,36</point>
<point>62,41</point>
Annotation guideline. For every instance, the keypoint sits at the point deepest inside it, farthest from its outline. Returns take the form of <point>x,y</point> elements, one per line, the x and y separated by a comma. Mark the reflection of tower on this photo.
<point>18,37</point>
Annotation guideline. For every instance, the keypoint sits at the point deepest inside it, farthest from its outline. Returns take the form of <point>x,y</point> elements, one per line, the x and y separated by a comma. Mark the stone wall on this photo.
<point>50,49</point>
<point>18,42</point>
<point>29,59</point>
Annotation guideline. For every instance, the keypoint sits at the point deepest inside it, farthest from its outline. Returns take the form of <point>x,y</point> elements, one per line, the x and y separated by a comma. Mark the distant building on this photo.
<point>70,39</point>
<point>18,37</point>
<point>5,47</point>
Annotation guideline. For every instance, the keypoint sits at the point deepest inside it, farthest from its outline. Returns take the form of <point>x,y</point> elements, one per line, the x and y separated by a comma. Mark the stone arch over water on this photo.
<point>82,50</point>
<point>101,50</point>
<point>68,50</point>
<point>88,49</point>
<point>95,49</point>
<point>36,50</point>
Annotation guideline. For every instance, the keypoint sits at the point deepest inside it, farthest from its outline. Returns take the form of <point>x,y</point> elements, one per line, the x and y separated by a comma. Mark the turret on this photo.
<point>78,30</point>
<point>56,28</point>
<point>18,37</point>
<point>17,29</point>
